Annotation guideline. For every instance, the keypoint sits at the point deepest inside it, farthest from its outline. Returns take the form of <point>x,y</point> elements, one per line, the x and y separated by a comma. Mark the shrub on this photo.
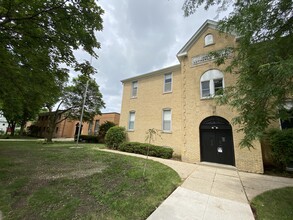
<point>33,130</point>
<point>142,148</point>
<point>88,138</point>
<point>282,146</point>
<point>103,130</point>
<point>115,136</point>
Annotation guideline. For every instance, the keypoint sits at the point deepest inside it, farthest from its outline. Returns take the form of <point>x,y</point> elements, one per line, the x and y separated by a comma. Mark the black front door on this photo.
<point>216,141</point>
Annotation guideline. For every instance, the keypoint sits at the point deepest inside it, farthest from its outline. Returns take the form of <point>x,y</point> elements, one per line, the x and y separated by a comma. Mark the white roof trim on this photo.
<point>160,71</point>
<point>186,47</point>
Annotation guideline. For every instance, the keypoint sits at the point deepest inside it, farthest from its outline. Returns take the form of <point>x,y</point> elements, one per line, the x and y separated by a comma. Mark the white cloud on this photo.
<point>139,37</point>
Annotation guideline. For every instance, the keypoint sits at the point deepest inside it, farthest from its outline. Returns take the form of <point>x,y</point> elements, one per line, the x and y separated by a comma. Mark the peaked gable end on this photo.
<point>208,24</point>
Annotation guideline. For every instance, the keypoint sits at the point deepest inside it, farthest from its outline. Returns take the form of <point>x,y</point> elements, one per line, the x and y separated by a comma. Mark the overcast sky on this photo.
<point>140,36</point>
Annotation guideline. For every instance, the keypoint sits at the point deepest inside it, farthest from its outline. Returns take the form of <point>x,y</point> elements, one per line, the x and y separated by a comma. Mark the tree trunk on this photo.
<point>51,128</point>
<point>12,126</point>
<point>49,137</point>
<point>22,126</point>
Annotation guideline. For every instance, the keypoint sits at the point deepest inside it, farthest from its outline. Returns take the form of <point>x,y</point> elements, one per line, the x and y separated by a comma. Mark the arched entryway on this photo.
<point>216,141</point>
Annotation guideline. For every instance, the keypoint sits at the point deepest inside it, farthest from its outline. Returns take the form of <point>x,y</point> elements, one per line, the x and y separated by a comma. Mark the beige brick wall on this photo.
<point>148,107</point>
<point>188,109</point>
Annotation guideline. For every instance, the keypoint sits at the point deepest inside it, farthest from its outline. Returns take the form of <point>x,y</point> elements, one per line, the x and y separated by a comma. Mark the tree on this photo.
<point>36,38</point>
<point>42,32</point>
<point>103,130</point>
<point>263,61</point>
<point>20,105</point>
<point>71,103</point>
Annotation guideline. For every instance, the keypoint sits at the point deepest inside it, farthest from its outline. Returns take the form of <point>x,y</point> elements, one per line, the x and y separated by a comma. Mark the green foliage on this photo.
<point>146,149</point>
<point>72,99</point>
<point>37,39</point>
<point>282,146</point>
<point>74,95</point>
<point>261,61</point>
<point>103,130</point>
<point>33,130</point>
<point>115,136</point>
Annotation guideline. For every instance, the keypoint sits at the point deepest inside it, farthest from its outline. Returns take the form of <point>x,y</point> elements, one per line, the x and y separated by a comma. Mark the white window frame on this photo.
<point>130,121</point>
<point>201,88</point>
<point>289,107</point>
<point>214,84</point>
<point>134,85</point>
<point>210,76</point>
<point>208,39</point>
<point>163,120</point>
<point>171,83</point>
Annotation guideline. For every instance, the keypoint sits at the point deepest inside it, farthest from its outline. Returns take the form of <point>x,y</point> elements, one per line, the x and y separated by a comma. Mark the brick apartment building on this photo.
<point>67,128</point>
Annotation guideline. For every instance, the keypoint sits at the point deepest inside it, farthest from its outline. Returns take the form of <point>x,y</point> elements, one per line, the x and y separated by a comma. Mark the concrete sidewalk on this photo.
<point>212,191</point>
<point>208,193</point>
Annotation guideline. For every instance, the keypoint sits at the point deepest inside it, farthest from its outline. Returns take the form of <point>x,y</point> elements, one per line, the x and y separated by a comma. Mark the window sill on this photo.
<point>167,92</point>
<point>209,45</point>
<point>130,130</point>
<point>206,98</point>
<point>134,97</point>
<point>210,97</point>
<point>167,132</point>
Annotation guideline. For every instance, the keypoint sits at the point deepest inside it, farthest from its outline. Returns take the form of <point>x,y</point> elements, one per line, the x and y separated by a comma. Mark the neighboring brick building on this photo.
<point>67,128</point>
<point>179,101</point>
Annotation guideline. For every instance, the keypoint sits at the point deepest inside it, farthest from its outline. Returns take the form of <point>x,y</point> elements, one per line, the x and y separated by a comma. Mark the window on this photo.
<point>167,120</point>
<point>208,40</point>
<point>56,131</point>
<point>287,110</point>
<point>205,88</point>
<point>168,82</point>
<point>211,83</point>
<point>131,121</point>
<point>134,89</point>
<point>218,86</point>
<point>287,123</point>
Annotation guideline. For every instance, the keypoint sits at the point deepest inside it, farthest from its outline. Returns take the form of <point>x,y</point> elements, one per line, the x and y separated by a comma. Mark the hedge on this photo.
<point>88,138</point>
<point>142,148</point>
<point>282,146</point>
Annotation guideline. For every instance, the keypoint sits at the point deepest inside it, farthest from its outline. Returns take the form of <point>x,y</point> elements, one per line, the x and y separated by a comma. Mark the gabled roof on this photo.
<point>194,38</point>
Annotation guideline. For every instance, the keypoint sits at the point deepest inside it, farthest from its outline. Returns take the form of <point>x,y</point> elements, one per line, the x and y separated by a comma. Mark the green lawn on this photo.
<point>55,181</point>
<point>274,204</point>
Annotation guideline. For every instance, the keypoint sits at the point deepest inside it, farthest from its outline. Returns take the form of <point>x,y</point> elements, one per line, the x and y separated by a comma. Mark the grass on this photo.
<point>55,181</point>
<point>274,204</point>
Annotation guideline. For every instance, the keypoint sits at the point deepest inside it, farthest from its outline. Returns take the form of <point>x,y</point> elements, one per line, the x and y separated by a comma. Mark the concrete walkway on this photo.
<point>212,191</point>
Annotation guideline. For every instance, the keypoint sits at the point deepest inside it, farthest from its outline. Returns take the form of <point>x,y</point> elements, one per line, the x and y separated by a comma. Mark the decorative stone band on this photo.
<point>203,58</point>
